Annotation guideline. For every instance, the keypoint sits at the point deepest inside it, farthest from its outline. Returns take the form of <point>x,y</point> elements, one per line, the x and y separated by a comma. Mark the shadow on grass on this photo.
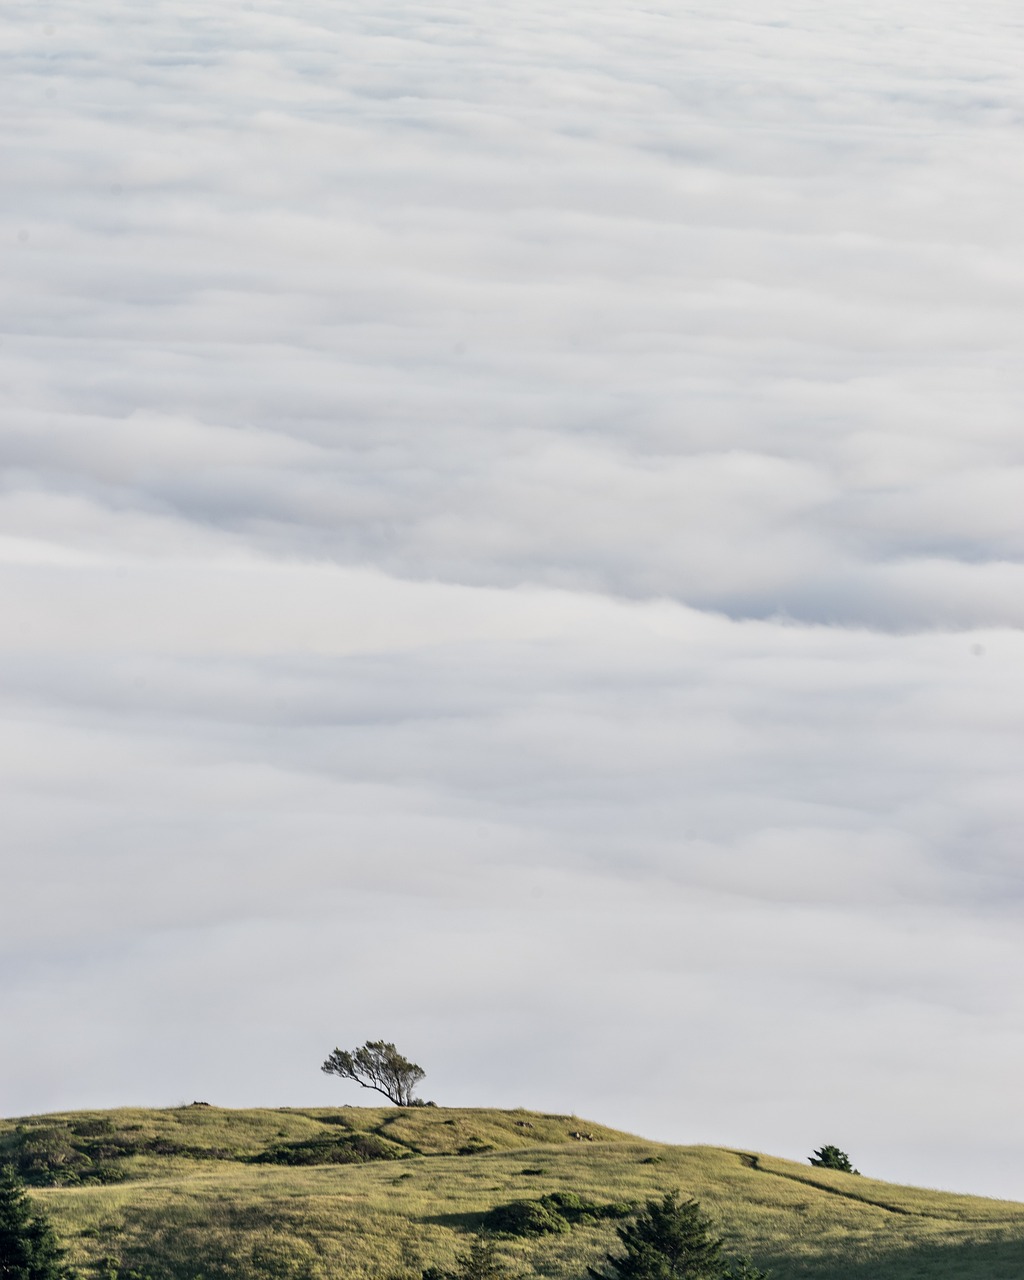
<point>457,1221</point>
<point>988,1260</point>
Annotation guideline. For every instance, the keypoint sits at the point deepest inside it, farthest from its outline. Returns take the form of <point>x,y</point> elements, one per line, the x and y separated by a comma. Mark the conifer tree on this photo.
<point>480,1263</point>
<point>671,1239</point>
<point>28,1247</point>
<point>830,1157</point>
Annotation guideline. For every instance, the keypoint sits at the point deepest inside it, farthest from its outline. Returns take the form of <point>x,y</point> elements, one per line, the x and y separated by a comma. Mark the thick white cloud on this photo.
<point>509,540</point>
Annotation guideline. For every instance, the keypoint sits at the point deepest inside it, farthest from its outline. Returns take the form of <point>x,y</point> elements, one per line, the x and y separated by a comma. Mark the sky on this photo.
<point>511,544</point>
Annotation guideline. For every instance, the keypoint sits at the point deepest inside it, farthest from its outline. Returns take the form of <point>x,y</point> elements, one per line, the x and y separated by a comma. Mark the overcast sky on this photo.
<point>511,542</point>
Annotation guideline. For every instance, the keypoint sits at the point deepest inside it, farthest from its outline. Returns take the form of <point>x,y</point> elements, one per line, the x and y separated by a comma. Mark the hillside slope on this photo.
<point>354,1192</point>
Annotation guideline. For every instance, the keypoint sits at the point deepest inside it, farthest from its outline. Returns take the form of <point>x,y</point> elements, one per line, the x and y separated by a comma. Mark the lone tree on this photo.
<point>832,1158</point>
<point>671,1239</point>
<point>379,1066</point>
<point>28,1247</point>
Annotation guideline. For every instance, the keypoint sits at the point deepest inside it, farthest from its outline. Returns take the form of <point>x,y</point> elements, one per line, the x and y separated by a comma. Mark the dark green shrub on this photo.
<point>525,1218</point>
<point>45,1157</point>
<point>355,1148</point>
<point>551,1214</point>
<point>832,1158</point>
<point>475,1146</point>
<point>480,1263</point>
<point>59,1155</point>
<point>574,1208</point>
<point>743,1269</point>
<point>106,1173</point>
<point>671,1239</point>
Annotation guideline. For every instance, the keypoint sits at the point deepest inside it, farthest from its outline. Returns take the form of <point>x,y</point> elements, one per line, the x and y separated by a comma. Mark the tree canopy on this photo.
<point>830,1157</point>
<point>28,1247</point>
<point>379,1066</point>
<point>672,1239</point>
<point>480,1263</point>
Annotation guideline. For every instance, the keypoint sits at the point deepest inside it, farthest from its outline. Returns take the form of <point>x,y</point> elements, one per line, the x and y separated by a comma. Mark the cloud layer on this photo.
<point>510,541</point>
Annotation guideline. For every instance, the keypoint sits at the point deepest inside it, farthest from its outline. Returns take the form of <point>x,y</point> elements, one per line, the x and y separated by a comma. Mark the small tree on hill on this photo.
<point>28,1247</point>
<point>671,1239</point>
<point>744,1269</point>
<point>832,1158</point>
<point>480,1263</point>
<point>378,1066</point>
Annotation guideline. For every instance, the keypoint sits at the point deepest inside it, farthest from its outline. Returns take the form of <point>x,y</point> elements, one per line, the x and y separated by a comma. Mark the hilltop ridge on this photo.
<point>320,1192</point>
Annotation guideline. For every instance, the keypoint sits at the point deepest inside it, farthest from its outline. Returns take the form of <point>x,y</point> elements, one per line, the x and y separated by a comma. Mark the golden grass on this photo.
<point>182,1217</point>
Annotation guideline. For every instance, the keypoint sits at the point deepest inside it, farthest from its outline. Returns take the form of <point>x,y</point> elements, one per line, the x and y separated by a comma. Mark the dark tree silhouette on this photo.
<point>671,1239</point>
<point>378,1066</point>
<point>28,1247</point>
<point>832,1158</point>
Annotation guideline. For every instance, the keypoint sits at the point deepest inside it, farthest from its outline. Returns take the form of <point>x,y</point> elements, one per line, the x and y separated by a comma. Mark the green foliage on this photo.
<point>475,1146</point>
<point>28,1247</point>
<point>832,1158</point>
<point>576,1209</point>
<point>481,1262</point>
<point>57,1155</point>
<point>353,1148</point>
<point>205,1209</point>
<point>525,1218</point>
<point>743,1269</point>
<point>672,1238</point>
<point>379,1066</point>
<point>45,1156</point>
<point>550,1215</point>
<point>86,1150</point>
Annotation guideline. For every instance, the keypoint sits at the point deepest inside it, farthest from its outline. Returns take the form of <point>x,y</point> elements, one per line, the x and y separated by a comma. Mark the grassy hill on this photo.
<point>355,1192</point>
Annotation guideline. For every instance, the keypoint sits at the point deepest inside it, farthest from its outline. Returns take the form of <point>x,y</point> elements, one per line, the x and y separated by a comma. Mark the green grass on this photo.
<point>193,1202</point>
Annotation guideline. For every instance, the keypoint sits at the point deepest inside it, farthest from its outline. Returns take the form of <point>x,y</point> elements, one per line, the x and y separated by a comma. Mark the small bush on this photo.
<point>355,1148</point>
<point>57,1156</point>
<point>830,1157</point>
<point>525,1218</point>
<point>575,1209</point>
<point>480,1263</point>
<point>475,1146</point>
<point>551,1214</point>
<point>46,1157</point>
